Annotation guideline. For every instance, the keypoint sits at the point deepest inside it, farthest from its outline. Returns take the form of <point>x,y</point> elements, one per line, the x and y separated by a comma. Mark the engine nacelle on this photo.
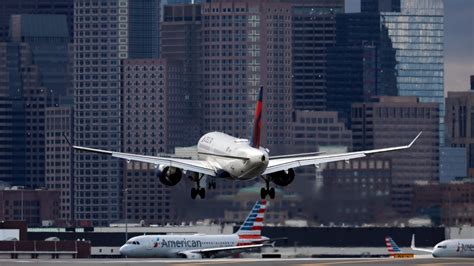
<point>169,176</point>
<point>283,178</point>
<point>190,255</point>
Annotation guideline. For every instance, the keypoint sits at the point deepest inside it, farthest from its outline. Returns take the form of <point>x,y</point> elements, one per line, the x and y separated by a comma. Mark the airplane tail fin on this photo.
<point>392,247</point>
<point>251,229</point>
<point>257,122</point>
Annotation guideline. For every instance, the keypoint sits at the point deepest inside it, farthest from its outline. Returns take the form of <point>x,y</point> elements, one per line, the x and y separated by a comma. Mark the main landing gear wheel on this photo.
<point>198,190</point>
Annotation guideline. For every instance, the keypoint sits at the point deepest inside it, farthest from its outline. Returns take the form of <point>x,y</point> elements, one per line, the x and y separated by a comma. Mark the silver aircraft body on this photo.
<point>450,248</point>
<point>198,246</point>
<point>223,156</point>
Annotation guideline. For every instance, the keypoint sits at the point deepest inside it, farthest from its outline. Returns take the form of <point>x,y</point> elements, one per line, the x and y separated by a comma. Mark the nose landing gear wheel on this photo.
<point>198,190</point>
<point>267,190</point>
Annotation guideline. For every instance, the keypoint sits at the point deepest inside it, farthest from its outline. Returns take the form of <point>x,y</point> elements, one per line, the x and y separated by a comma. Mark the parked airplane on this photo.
<point>223,156</point>
<point>200,245</point>
<point>394,251</point>
<point>449,248</point>
<point>392,247</point>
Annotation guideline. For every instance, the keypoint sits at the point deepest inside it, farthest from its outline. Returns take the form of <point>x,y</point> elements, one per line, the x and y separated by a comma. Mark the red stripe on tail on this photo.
<point>257,122</point>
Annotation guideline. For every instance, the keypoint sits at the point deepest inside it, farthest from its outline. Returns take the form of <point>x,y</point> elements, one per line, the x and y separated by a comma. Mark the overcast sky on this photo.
<point>459,41</point>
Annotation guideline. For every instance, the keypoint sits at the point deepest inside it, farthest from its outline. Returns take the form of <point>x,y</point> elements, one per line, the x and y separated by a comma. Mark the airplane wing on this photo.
<point>283,164</point>
<point>209,251</point>
<point>413,247</point>
<point>186,164</point>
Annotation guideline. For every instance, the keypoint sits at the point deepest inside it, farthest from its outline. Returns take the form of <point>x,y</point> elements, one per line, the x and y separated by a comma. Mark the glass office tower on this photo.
<point>416,34</point>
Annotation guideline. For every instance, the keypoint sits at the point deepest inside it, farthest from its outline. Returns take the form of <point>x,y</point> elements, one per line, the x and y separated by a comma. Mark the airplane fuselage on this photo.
<point>174,246</point>
<point>218,143</point>
<point>455,248</point>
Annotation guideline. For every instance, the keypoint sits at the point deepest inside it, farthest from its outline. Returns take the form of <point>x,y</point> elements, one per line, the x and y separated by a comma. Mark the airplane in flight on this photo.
<point>199,246</point>
<point>224,156</point>
<point>450,248</point>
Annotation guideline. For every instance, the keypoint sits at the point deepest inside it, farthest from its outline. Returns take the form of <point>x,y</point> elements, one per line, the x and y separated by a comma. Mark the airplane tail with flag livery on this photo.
<point>392,247</point>
<point>250,231</point>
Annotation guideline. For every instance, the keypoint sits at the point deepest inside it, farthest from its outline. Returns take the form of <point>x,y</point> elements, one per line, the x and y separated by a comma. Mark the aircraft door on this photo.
<point>150,243</point>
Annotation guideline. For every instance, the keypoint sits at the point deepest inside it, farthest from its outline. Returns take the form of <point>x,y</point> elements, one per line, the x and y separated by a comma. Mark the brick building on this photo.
<point>34,206</point>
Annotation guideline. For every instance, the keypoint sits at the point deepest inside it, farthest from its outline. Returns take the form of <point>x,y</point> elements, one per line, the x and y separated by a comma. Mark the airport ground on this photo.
<point>260,262</point>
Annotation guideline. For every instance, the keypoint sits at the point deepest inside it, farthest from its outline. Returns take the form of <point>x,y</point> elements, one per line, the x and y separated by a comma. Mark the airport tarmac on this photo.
<point>236,262</point>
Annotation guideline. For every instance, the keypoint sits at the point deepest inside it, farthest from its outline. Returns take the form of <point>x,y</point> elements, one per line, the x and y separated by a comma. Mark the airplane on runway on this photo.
<point>392,247</point>
<point>224,156</point>
<point>451,248</point>
<point>199,246</point>
<point>394,251</point>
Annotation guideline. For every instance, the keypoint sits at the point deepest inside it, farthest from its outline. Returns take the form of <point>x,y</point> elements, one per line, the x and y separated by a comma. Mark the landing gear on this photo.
<point>267,190</point>
<point>211,184</point>
<point>198,190</point>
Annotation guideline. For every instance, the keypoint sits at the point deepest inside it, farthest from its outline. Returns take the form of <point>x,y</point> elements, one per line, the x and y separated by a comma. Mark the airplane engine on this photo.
<point>283,178</point>
<point>190,255</point>
<point>169,176</point>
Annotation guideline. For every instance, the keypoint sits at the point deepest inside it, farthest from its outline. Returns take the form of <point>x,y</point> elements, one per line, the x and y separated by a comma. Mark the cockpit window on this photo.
<point>133,243</point>
<point>441,246</point>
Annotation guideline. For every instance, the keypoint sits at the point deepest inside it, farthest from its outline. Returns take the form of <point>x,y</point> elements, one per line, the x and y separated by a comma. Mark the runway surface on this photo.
<point>236,262</point>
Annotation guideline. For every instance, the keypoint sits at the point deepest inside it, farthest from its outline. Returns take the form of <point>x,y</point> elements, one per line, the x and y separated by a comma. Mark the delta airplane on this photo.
<point>223,156</point>
<point>200,245</point>
<point>453,248</point>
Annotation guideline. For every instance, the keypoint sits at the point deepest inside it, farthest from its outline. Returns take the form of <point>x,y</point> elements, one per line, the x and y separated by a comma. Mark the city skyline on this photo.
<point>459,50</point>
<point>142,85</point>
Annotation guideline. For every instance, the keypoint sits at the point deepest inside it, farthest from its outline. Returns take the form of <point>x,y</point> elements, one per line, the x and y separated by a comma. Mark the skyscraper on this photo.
<point>361,64</point>
<point>180,42</point>
<point>391,121</point>
<point>460,123</point>
<point>46,7</point>
<point>416,34</point>
<point>394,47</point>
<point>247,44</point>
<point>37,63</point>
<point>313,32</point>
<point>103,37</point>
<point>151,94</point>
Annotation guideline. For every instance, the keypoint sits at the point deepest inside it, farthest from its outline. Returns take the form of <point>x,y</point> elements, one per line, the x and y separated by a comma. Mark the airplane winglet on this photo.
<point>412,246</point>
<point>413,141</point>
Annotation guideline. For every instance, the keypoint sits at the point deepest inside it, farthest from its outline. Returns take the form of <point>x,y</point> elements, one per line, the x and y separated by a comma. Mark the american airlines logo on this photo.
<point>465,247</point>
<point>177,243</point>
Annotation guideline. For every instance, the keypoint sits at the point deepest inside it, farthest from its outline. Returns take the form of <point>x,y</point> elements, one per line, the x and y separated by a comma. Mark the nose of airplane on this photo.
<point>123,250</point>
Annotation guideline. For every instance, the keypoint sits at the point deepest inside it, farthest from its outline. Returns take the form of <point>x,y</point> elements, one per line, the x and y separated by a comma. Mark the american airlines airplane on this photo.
<point>224,156</point>
<point>200,245</point>
<point>394,251</point>
<point>392,247</point>
<point>449,248</point>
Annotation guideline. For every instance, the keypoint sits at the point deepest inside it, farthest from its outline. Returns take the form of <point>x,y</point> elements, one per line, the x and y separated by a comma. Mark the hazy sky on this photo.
<point>459,41</point>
